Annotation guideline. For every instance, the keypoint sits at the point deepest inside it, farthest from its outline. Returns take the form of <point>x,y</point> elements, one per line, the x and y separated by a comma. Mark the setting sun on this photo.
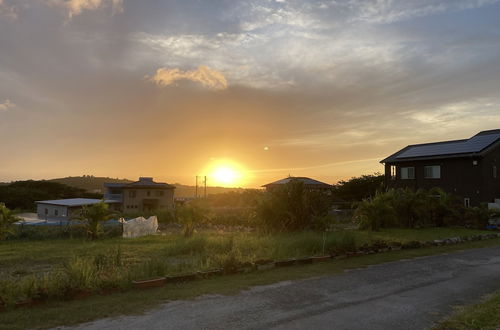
<point>225,173</point>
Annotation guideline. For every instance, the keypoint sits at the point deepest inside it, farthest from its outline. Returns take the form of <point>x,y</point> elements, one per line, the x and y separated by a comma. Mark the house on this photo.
<point>467,168</point>
<point>308,183</point>
<point>141,196</point>
<point>65,209</point>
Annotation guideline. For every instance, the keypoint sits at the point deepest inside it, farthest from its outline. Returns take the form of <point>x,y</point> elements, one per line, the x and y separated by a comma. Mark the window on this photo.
<point>407,173</point>
<point>132,193</point>
<point>393,172</point>
<point>432,172</point>
<point>148,193</point>
<point>494,171</point>
<point>56,212</point>
<point>159,193</point>
<point>46,211</point>
<point>467,202</point>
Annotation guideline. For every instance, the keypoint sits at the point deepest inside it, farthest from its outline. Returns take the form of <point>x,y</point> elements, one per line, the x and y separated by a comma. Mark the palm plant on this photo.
<point>93,216</point>
<point>7,219</point>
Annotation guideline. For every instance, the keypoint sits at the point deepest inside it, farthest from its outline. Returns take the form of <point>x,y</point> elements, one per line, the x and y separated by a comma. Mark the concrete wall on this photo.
<point>51,211</point>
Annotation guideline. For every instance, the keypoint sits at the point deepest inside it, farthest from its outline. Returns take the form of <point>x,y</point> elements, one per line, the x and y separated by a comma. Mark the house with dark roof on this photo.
<point>467,168</point>
<point>308,183</point>
<point>143,195</point>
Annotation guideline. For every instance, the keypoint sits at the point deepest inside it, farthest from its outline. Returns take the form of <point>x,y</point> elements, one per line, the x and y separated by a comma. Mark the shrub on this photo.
<point>414,209</point>
<point>93,216</point>
<point>7,219</point>
<point>233,216</point>
<point>191,214</point>
<point>376,213</point>
<point>477,217</point>
<point>292,207</point>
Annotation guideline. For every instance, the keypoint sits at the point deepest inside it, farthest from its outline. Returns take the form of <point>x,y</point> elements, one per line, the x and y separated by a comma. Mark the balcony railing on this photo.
<point>115,197</point>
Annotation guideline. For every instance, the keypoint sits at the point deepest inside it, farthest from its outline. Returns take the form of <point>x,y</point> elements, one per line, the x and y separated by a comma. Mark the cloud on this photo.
<point>8,10</point>
<point>6,105</point>
<point>203,75</point>
<point>76,7</point>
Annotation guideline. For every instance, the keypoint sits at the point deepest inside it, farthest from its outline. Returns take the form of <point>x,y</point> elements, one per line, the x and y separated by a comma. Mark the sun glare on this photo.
<point>225,173</point>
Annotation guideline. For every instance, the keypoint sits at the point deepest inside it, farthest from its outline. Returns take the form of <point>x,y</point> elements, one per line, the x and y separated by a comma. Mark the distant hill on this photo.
<point>89,182</point>
<point>96,184</point>
<point>189,191</point>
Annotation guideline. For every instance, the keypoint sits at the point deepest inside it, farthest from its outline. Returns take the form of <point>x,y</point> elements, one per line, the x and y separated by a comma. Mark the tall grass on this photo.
<point>113,263</point>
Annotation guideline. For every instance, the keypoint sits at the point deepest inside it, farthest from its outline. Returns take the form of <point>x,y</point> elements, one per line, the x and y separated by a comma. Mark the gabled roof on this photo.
<point>308,182</point>
<point>144,182</point>
<point>75,201</point>
<point>475,146</point>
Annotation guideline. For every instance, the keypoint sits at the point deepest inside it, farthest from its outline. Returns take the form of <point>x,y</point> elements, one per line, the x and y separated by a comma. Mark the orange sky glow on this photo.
<point>244,92</point>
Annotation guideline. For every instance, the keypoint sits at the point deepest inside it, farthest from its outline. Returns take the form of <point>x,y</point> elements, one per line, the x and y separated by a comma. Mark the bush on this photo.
<point>292,207</point>
<point>191,214</point>
<point>233,216</point>
<point>414,209</point>
<point>7,219</point>
<point>477,217</point>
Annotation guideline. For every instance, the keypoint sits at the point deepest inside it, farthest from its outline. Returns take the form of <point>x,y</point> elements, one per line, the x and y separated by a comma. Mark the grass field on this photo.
<point>482,316</point>
<point>204,250</point>
<point>56,313</point>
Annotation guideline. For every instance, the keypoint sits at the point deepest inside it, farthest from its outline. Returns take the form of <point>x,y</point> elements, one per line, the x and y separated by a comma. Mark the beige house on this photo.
<point>143,195</point>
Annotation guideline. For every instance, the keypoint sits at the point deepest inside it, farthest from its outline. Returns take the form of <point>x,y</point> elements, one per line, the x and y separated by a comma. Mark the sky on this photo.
<point>268,88</point>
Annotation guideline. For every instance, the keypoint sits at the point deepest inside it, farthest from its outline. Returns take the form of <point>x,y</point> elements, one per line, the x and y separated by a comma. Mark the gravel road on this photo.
<point>407,294</point>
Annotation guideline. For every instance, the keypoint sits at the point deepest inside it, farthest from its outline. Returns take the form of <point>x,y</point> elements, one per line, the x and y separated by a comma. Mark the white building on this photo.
<point>65,209</point>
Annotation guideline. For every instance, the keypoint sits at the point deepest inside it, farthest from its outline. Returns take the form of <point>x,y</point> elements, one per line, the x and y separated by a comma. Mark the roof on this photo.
<point>307,182</point>
<point>475,146</point>
<point>75,201</point>
<point>144,182</point>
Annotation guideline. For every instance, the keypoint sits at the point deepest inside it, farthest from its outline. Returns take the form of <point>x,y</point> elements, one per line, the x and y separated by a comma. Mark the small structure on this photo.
<point>466,168</point>
<point>65,209</point>
<point>140,226</point>
<point>309,183</point>
<point>143,195</point>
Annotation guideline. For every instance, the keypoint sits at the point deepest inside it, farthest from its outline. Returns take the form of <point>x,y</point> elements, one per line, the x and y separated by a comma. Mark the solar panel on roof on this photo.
<point>475,144</point>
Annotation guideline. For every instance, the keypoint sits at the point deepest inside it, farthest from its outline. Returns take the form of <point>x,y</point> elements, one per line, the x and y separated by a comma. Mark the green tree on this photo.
<point>358,188</point>
<point>23,194</point>
<point>93,216</point>
<point>293,207</point>
<point>7,219</point>
<point>192,214</point>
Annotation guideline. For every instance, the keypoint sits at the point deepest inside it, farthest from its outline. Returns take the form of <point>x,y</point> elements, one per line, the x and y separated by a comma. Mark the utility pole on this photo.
<point>205,181</point>
<point>196,188</point>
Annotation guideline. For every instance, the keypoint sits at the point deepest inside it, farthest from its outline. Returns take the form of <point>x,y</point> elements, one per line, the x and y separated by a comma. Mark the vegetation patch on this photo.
<point>103,268</point>
<point>55,313</point>
<point>484,315</point>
